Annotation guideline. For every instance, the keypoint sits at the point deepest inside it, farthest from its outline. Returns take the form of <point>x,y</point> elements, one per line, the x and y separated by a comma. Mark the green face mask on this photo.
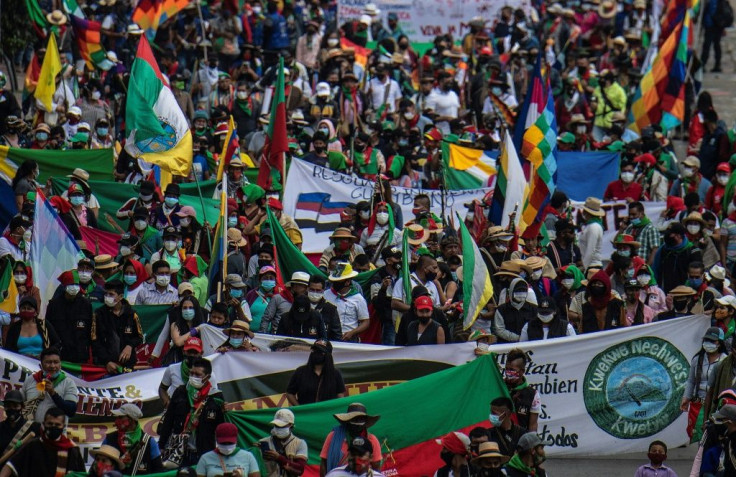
<point>179,85</point>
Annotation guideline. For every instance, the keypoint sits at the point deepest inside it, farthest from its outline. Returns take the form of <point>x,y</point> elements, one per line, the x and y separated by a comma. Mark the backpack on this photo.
<point>724,14</point>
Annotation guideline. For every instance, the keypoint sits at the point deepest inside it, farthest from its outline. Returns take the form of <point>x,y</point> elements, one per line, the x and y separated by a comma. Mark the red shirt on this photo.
<point>617,190</point>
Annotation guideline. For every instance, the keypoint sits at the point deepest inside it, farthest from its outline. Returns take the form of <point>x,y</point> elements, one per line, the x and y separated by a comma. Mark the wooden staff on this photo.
<point>11,452</point>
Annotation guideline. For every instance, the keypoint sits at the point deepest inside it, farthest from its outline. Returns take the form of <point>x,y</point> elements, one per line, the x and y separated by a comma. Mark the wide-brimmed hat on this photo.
<point>488,450</point>
<point>355,410</point>
<point>509,268</point>
<point>499,233</point>
<point>110,452</point>
<point>239,325</point>
<point>694,217</point>
<point>80,175</point>
<point>342,271</point>
<point>236,236</point>
<point>577,119</point>
<point>719,273</point>
<point>297,117</point>
<point>607,9</point>
<point>479,334</point>
<point>134,29</point>
<point>343,233</point>
<point>56,17</point>
<point>371,9</point>
<point>683,290</point>
<point>417,234</point>
<point>691,161</point>
<point>594,206</point>
<point>625,239</point>
<point>534,262</point>
<point>104,262</point>
<point>301,278</point>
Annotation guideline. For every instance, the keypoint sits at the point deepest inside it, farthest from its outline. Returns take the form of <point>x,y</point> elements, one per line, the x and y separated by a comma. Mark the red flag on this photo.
<point>271,171</point>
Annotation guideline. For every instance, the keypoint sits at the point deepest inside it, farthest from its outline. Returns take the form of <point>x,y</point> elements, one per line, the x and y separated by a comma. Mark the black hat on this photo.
<point>28,300</point>
<point>170,231</point>
<point>676,228</point>
<point>547,304</point>
<point>632,283</point>
<point>563,224</point>
<point>147,187</point>
<point>127,239</point>
<point>18,221</point>
<point>301,305</point>
<point>140,212</point>
<point>172,189</point>
<point>13,396</point>
<point>322,345</point>
<point>390,252</point>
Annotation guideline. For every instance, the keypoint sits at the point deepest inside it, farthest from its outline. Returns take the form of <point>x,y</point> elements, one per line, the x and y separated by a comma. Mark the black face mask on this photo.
<point>53,433</point>
<point>424,319</point>
<point>263,263</point>
<point>597,291</point>
<point>446,456</point>
<point>680,305</point>
<point>430,276</point>
<point>317,357</point>
<point>12,414</point>
<point>355,430</point>
<point>670,241</point>
<point>189,360</point>
<point>319,150</point>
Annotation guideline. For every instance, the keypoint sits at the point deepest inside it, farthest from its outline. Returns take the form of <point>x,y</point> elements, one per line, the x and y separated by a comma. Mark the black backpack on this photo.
<point>724,14</point>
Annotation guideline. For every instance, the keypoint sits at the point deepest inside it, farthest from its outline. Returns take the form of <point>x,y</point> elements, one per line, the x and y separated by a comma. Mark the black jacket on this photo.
<point>72,320</point>
<point>331,320</point>
<point>313,327</point>
<point>110,334</point>
<point>45,329</point>
<point>172,423</point>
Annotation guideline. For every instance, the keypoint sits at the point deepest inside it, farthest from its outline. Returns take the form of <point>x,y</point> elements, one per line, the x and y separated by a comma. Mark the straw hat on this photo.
<point>625,239</point>
<point>489,450</point>
<point>682,290</point>
<point>80,175</point>
<point>239,325</point>
<point>593,206</point>
<point>479,334</point>
<point>56,17</point>
<point>110,452</point>
<point>509,268</point>
<point>694,217</point>
<point>342,233</point>
<point>356,410</point>
<point>236,236</point>
<point>134,29</point>
<point>499,233</point>
<point>104,262</point>
<point>417,234</point>
<point>607,9</point>
<point>535,263</point>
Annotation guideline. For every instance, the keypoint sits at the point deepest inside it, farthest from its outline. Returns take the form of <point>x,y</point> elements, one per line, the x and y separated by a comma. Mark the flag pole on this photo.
<point>205,224</point>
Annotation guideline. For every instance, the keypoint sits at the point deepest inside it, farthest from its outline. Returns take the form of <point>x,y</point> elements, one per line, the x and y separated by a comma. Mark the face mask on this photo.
<point>688,171</point>
<point>146,197</point>
<point>722,179</point>
<point>501,247</point>
<point>483,346</point>
<point>695,282</point>
<point>431,276</point>
<point>130,279</point>
<point>242,95</point>
<point>382,218</point>
<point>536,274</point>
<point>235,342</point>
<point>41,137</point>
<point>20,278</point>
<point>635,222</point>
<point>72,290</point>
<point>96,95</point>
<point>27,314</point>
<point>324,131</point>
<point>568,283</point>
<point>27,235</point>
<point>226,449</point>
<point>333,42</point>
<point>355,429</point>
<point>110,301</point>
<point>709,347</point>
<point>365,215</point>
<point>627,176</point>
<point>520,297</point>
<point>693,229</point>
<point>77,200</point>
<point>680,305</point>
<point>708,232</point>
<point>170,245</point>
<point>624,253</point>
<point>53,433</point>
<point>496,91</point>
<point>163,280</point>
<point>102,131</point>
<point>12,415</point>
<point>545,317</point>
<point>187,314</point>
<point>656,459</point>
<point>598,291</point>
<point>644,280</point>
<point>85,277</point>
<point>196,382</point>
<point>232,221</point>
<point>171,201</point>
<point>581,129</point>
<point>268,285</point>
<point>315,297</point>
<point>281,432</point>
<point>236,292</point>
<point>495,420</point>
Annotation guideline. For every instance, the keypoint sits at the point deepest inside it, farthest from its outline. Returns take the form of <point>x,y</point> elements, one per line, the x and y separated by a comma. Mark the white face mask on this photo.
<point>693,229</point>
<point>185,222</point>
<point>688,171</point>
<point>501,247</point>
<point>484,346</point>
<point>280,432</point>
<point>722,179</point>
<point>85,277</point>
<point>110,301</point>
<point>96,95</point>
<point>242,94</point>
<point>581,129</point>
<point>27,235</point>
<point>568,283</point>
<point>226,449</point>
<point>545,317</point>
<point>72,290</point>
<point>536,274</point>
<point>365,214</point>
<point>382,218</point>
<point>332,42</point>
<point>315,297</point>
<point>20,278</point>
<point>520,297</point>
<point>170,245</point>
<point>408,115</point>
<point>125,251</point>
<point>709,347</point>
<point>627,176</point>
<point>644,280</point>
<point>163,280</point>
<point>140,224</point>
<point>196,382</point>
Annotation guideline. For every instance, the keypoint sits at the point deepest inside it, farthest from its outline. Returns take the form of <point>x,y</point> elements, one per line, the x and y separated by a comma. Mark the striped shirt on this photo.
<point>648,236</point>
<point>149,295</point>
<point>728,229</point>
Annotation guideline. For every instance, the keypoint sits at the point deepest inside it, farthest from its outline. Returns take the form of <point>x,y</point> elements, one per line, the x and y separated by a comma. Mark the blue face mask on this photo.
<point>495,420</point>
<point>695,282</point>
<point>129,279</point>
<point>77,200</point>
<point>42,136</point>
<point>236,342</point>
<point>236,292</point>
<point>268,285</point>
<point>232,221</point>
<point>102,131</point>
<point>55,375</point>
<point>624,253</point>
<point>187,314</point>
<point>171,201</point>
<point>635,221</point>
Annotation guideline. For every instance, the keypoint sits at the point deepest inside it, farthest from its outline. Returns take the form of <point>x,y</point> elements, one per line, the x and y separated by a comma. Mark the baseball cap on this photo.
<point>423,303</point>
<point>193,343</point>
<point>283,418</point>
<point>226,433</point>
<point>726,413</point>
<point>130,410</point>
<point>528,441</point>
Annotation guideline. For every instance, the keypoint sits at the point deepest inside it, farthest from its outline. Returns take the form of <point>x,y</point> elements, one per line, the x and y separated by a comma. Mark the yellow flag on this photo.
<point>10,301</point>
<point>47,78</point>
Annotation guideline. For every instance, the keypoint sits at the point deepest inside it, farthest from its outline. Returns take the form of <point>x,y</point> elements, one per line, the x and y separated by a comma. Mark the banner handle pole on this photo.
<point>204,214</point>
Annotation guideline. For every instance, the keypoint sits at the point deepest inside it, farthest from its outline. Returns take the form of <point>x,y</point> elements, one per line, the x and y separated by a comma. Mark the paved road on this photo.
<point>621,466</point>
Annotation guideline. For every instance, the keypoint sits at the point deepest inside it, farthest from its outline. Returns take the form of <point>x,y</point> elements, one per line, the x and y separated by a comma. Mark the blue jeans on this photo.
<point>388,337</point>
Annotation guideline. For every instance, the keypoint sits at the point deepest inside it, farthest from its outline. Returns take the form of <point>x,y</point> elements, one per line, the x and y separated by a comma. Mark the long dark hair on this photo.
<point>327,383</point>
<point>25,169</point>
<point>182,324</point>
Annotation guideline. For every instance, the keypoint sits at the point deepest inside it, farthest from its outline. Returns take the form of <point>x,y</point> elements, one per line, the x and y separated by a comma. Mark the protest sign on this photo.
<point>315,196</point>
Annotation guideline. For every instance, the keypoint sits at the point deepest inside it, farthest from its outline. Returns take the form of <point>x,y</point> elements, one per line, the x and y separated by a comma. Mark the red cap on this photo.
<point>433,134</point>
<point>193,343</point>
<point>274,203</point>
<point>486,51</point>
<point>232,205</point>
<point>723,167</point>
<point>226,433</point>
<point>423,303</point>
<point>70,277</point>
<point>647,158</point>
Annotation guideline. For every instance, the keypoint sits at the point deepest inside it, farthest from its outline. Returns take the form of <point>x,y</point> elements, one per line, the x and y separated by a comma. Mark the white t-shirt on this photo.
<point>351,309</point>
<point>376,92</point>
<point>341,472</point>
<point>172,378</point>
<point>444,104</point>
